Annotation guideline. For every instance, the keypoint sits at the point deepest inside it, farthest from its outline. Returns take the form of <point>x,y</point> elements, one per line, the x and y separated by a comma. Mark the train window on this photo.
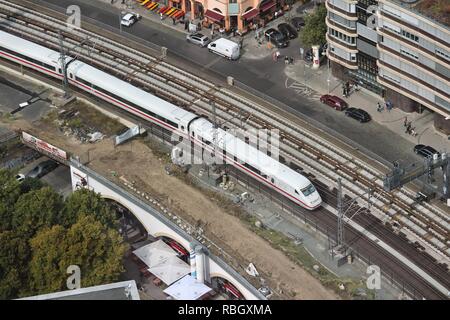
<point>264,176</point>
<point>182,127</point>
<point>193,134</point>
<point>272,180</point>
<point>71,75</point>
<point>59,70</point>
<point>296,192</point>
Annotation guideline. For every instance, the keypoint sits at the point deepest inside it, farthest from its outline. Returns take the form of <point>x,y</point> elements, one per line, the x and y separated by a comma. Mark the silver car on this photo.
<point>198,38</point>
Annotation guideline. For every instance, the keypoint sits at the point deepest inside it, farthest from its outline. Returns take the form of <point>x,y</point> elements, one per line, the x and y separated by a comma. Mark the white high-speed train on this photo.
<point>198,130</point>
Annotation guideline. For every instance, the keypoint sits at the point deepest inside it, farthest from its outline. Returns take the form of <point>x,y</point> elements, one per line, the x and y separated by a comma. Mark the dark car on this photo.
<point>42,169</point>
<point>276,38</point>
<point>288,30</point>
<point>425,151</point>
<point>358,114</point>
<point>298,22</point>
<point>334,102</point>
<point>308,55</point>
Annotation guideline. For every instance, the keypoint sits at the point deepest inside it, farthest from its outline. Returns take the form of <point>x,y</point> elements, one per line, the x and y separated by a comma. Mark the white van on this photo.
<point>225,48</point>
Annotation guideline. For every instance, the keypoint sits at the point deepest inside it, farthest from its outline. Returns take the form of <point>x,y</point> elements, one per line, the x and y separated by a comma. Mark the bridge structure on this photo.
<point>206,266</point>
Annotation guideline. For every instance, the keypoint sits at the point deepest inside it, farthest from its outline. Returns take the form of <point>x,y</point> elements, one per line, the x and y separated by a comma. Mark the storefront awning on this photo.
<point>250,14</point>
<point>268,5</point>
<point>213,15</point>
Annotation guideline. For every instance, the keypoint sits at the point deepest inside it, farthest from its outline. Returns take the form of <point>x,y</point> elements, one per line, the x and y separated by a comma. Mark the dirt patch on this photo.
<point>136,162</point>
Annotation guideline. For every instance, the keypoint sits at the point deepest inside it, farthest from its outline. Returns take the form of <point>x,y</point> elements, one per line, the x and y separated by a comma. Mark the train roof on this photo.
<point>28,48</point>
<point>129,92</point>
<point>250,155</point>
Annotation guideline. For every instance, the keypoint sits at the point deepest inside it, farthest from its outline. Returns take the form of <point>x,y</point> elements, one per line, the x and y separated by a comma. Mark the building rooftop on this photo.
<point>125,290</point>
<point>438,10</point>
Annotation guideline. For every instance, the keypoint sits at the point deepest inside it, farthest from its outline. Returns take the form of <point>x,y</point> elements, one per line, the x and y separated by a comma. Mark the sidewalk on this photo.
<point>316,80</point>
<point>367,100</point>
<point>251,49</point>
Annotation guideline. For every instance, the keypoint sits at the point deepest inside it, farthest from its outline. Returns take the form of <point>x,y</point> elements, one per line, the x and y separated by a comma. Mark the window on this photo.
<point>442,54</point>
<point>308,190</point>
<point>410,36</point>
<point>409,54</point>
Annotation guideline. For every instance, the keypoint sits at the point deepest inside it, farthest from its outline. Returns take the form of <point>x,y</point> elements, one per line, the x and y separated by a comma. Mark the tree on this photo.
<point>315,29</point>
<point>84,201</point>
<point>29,184</point>
<point>35,210</point>
<point>14,257</point>
<point>95,248</point>
<point>9,193</point>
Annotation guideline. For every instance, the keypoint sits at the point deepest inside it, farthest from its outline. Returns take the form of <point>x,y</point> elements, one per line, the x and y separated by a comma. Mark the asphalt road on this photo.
<point>263,75</point>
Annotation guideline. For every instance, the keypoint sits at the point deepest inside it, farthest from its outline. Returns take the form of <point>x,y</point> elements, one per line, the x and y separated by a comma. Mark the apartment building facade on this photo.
<point>392,48</point>
<point>241,15</point>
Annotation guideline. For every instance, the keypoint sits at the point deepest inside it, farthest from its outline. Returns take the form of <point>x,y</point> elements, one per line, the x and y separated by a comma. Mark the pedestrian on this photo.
<point>379,108</point>
<point>199,26</point>
<point>241,43</point>
<point>212,33</point>
<point>408,128</point>
<point>161,16</point>
<point>173,21</point>
<point>278,54</point>
<point>186,24</point>
<point>291,60</point>
<point>405,122</point>
<point>344,91</point>
<point>286,60</point>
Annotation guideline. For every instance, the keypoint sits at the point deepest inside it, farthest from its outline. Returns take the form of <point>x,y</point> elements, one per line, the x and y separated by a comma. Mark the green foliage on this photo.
<point>35,210</point>
<point>14,256</point>
<point>41,235</point>
<point>28,184</point>
<point>84,201</point>
<point>9,193</point>
<point>88,243</point>
<point>315,29</point>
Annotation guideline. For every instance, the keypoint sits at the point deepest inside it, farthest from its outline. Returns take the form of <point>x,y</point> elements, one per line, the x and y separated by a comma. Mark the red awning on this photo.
<point>266,6</point>
<point>250,14</point>
<point>213,15</point>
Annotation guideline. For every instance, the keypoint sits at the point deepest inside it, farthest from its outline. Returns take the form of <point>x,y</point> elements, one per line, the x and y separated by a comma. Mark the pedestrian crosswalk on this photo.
<point>304,90</point>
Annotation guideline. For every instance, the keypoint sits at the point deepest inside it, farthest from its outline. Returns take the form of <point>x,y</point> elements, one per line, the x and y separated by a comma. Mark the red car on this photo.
<point>334,102</point>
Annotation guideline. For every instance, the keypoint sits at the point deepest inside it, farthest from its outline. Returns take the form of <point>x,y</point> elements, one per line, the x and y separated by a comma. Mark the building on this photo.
<point>125,290</point>
<point>242,15</point>
<point>398,49</point>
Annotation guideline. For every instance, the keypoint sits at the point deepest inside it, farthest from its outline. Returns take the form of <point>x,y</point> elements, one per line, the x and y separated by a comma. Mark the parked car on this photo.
<point>334,102</point>
<point>298,22</point>
<point>129,19</point>
<point>288,30</point>
<point>308,55</point>
<point>425,151</point>
<point>42,169</point>
<point>225,48</point>
<point>358,114</point>
<point>198,38</point>
<point>276,38</point>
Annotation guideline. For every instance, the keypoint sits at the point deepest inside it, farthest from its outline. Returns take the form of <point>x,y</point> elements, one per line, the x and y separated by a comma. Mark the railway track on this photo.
<point>422,223</point>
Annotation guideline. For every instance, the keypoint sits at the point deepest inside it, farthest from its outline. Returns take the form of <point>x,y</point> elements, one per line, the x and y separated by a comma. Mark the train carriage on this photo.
<point>198,130</point>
